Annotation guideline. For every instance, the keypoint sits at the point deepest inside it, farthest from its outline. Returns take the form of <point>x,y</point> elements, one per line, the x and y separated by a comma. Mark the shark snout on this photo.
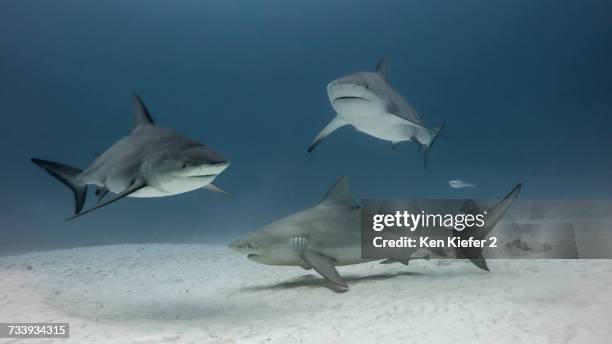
<point>241,246</point>
<point>219,167</point>
<point>234,246</point>
<point>209,169</point>
<point>248,247</point>
<point>201,161</point>
<point>346,91</point>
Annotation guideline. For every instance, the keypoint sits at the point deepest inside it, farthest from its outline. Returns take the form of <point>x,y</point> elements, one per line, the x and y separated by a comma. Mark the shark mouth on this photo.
<point>349,98</point>
<point>251,256</point>
<point>203,176</point>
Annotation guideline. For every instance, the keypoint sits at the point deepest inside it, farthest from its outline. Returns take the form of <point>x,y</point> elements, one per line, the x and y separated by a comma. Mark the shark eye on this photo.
<point>249,245</point>
<point>184,165</point>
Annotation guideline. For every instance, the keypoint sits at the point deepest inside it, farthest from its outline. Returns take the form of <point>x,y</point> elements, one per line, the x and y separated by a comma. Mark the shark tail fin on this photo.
<point>437,132</point>
<point>492,217</point>
<point>68,176</point>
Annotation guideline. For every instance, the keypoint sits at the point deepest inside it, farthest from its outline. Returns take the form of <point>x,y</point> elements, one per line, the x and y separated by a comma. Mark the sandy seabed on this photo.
<point>168,293</point>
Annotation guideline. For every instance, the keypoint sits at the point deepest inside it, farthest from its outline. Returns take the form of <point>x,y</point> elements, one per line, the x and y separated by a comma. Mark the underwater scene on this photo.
<point>306,171</point>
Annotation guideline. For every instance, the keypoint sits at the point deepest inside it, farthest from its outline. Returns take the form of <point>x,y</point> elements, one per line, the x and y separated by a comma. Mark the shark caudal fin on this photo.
<point>437,131</point>
<point>67,175</point>
<point>492,217</point>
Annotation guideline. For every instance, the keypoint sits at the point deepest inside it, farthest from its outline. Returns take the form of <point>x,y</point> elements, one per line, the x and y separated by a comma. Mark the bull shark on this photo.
<point>152,161</point>
<point>367,102</point>
<point>329,234</point>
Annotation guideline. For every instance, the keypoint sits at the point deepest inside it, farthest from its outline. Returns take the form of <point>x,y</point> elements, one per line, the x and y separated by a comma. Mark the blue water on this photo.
<point>524,87</point>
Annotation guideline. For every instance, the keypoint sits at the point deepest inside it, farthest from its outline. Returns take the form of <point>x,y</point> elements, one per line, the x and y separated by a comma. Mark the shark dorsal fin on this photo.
<point>141,114</point>
<point>382,67</point>
<point>340,193</point>
<point>470,207</point>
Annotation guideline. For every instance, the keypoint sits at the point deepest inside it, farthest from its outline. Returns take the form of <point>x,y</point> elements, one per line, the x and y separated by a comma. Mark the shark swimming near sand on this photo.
<point>367,102</point>
<point>329,234</point>
<point>152,161</point>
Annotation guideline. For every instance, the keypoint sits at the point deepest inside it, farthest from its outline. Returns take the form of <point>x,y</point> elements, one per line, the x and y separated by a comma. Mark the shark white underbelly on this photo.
<point>384,126</point>
<point>174,187</point>
<point>343,255</point>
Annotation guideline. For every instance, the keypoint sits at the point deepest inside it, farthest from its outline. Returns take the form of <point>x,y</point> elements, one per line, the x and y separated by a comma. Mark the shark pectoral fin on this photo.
<point>335,123</point>
<point>434,136</point>
<point>325,266</point>
<point>477,259</point>
<point>214,188</point>
<point>101,191</point>
<point>414,131</point>
<point>136,185</point>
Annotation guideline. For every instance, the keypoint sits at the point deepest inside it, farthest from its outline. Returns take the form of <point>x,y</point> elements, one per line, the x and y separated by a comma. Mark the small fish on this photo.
<point>460,184</point>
